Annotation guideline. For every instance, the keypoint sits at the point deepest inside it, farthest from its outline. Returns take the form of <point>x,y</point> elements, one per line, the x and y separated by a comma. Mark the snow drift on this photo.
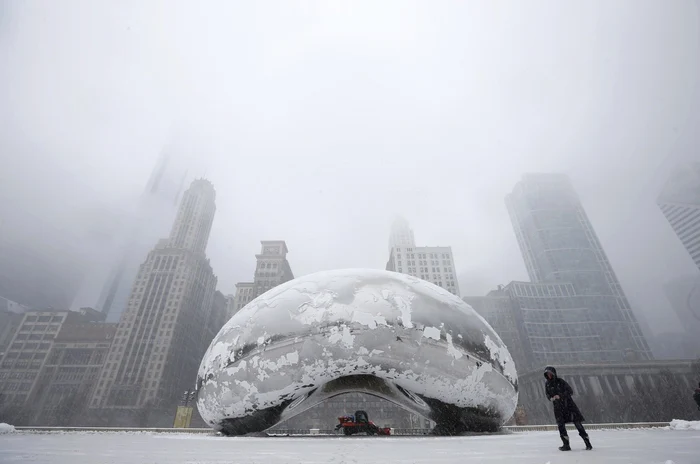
<point>678,424</point>
<point>6,428</point>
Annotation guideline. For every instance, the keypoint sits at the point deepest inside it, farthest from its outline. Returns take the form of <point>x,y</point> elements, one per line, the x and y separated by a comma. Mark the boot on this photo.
<point>587,441</point>
<point>566,446</point>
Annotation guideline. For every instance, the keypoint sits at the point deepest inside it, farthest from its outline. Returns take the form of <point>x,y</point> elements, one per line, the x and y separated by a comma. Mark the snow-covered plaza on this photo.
<point>652,446</point>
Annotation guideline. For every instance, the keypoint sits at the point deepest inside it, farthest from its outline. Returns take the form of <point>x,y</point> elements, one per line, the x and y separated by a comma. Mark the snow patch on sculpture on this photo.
<point>432,332</point>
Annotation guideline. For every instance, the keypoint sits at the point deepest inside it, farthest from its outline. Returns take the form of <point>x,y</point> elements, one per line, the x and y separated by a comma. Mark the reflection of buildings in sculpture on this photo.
<point>271,270</point>
<point>348,331</point>
<point>166,327</point>
<point>433,264</point>
<point>382,412</point>
<point>28,350</point>
<point>680,203</point>
<point>565,259</point>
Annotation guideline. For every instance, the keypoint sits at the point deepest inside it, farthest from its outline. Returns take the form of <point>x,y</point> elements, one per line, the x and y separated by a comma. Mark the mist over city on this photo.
<point>170,169</point>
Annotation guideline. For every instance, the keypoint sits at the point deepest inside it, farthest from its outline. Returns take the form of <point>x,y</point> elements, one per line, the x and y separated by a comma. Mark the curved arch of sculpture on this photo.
<point>378,332</point>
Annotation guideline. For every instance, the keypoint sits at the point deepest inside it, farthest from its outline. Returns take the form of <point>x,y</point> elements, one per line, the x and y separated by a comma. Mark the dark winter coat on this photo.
<point>696,397</point>
<point>565,409</point>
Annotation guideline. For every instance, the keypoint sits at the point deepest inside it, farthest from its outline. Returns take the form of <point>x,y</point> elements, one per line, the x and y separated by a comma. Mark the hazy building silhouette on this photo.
<point>432,264</point>
<point>168,322</point>
<point>69,375</point>
<point>575,303</point>
<point>11,315</point>
<point>151,220</point>
<point>401,234</point>
<point>680,202</point>
<point>27,353</point>
<point>271,270</point>
<point>684,295</point>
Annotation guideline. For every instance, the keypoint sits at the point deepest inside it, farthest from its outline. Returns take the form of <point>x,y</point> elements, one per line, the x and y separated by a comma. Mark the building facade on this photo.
<point>649,391</point>
<point>153,217</point>
<point>11,315</point>
<point>271,270</point>
<point>70,372</point>
<point>562,254</point>
<point>500,310</point>
<point>24,360</point>
<point>683,293</point>
<point>680,203</point>
<point>164,332</point>
<point>244,295</point>
<point>433,264</point>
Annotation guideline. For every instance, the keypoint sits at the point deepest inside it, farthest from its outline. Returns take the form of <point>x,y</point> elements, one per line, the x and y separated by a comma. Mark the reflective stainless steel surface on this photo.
<point>383,333</point>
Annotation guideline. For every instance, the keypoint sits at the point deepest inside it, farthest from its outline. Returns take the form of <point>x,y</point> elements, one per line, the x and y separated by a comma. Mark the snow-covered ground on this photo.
<point>652,446</point>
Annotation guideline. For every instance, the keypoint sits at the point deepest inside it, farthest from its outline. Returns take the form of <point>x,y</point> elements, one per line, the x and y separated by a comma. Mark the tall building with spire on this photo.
<point>680,202</point>
<point>574,310</point>
<point>167,325</point>
<point>150,221</point>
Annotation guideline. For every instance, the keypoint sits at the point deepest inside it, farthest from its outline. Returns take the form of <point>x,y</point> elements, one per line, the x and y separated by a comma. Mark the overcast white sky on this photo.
<point>318,122</point>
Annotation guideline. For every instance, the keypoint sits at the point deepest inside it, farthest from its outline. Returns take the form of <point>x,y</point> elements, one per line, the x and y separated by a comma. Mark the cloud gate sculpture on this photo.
<point>386,334</point>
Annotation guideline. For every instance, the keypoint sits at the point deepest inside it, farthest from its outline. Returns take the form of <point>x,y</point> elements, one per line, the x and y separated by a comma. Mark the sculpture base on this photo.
<point>450,420</point>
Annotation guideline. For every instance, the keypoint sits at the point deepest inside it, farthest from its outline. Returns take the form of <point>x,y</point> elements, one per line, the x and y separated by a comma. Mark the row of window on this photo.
<point>39,327</point>
<point>54,318</point>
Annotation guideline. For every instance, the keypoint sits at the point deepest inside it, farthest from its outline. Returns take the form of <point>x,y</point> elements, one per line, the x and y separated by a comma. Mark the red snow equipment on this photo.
<point>360,423</point>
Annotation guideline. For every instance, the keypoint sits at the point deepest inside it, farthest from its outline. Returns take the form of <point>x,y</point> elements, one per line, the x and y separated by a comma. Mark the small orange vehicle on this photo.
<point>360,423</point>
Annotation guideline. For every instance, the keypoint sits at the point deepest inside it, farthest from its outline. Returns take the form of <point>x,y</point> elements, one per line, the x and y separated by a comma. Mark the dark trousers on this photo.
<point>578,425</point>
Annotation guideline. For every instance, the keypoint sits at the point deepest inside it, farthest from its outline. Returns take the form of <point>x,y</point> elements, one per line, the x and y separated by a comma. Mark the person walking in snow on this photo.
<point>565,410</point>
<point>696,396</point>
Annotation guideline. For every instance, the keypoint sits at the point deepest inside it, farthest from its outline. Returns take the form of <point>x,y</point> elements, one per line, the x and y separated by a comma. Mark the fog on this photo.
<point>319,122</point>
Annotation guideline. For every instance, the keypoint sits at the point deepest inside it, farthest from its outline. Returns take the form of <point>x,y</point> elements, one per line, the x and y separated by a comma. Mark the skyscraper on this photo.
<point>560,247</point>
<point>680,202</point>
<point>150,221</point>
<point>401,234</point>
<point>433,264</point>
<point>271,270</point>
<point>168,322</point>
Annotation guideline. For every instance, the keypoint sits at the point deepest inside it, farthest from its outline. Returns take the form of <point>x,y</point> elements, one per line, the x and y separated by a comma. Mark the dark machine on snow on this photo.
<point>360,423</point>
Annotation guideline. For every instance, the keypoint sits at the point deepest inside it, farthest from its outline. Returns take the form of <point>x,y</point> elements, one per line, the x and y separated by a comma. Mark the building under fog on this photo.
<point>680,203</point>
<point>574,309</point>
<point>68,377</point>
<point>271,270</point>
<point>27,354</point>
<point>170,317</point>
<point>433,264</point>
<point>154,215</point>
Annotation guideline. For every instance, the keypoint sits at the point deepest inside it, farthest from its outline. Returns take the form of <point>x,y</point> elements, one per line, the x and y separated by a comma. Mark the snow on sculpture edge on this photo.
<point>318,328</point>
